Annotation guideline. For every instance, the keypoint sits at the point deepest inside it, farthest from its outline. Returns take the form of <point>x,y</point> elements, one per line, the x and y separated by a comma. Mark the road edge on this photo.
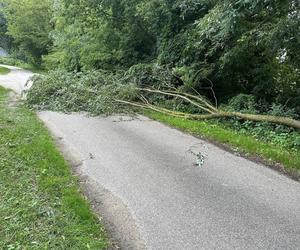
<point>118,222</point>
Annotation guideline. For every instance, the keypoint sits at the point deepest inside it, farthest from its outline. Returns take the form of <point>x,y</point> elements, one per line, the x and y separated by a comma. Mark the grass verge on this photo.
<point>248,145</point>
<point>40,203</point>
<point>18,63</point>
<point>4,71</point>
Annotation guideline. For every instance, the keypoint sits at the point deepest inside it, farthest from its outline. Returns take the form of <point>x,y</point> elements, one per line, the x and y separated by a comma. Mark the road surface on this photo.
<point>16,79</point>
<point>153,196</point>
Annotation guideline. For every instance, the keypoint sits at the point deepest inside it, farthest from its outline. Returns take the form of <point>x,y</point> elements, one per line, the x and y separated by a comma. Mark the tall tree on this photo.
<point>29,24</point>
<point>5,40</point>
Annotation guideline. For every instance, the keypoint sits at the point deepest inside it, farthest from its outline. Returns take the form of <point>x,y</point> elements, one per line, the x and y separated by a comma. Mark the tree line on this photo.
<point>221,48</point>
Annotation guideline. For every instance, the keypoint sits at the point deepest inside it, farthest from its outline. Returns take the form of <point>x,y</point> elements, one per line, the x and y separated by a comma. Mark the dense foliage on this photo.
<point>240,46</point>
<point>28,25</point>
<point>5,41</point>
<point>230,46</point>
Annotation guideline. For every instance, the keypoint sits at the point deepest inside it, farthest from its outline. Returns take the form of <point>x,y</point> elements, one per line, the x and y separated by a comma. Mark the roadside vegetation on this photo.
<point>4,71</point>
<point>41,206</point>
<point>21,64</point>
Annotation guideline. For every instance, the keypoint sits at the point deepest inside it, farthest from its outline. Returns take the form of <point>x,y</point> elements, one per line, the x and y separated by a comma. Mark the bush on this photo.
<point>19,63</point>
<point>243,103</point>
<point>11,61</point>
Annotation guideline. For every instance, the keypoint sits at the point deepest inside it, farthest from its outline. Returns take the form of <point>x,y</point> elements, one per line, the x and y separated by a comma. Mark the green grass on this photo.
<point>41,206</point>
<point>18,63</point>
<point>4,71</point>
<point>247,144</point>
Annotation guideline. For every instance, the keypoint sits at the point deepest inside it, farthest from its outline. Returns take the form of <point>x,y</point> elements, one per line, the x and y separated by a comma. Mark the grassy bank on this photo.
<point>18,63</point>
<point>247,144</point>
<point>4,71</point>
<point>40,204</point>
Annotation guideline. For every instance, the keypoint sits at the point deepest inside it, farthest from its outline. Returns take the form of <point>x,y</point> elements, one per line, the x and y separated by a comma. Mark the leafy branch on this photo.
<point>208,110</point>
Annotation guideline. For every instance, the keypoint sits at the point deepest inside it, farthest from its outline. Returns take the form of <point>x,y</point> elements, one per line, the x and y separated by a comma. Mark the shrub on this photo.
<point>243,103</point>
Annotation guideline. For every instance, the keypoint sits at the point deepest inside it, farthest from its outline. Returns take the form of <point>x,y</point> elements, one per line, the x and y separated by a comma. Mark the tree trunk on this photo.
<point>204,105</point>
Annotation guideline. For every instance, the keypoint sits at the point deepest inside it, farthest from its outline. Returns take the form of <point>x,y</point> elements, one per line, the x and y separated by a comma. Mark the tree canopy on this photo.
<point>29,25</point>
<point>238,46</point>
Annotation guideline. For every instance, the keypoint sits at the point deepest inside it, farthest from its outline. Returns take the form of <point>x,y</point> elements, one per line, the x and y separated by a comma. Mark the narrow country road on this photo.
<point>153,196</point>
<point>16,79</point>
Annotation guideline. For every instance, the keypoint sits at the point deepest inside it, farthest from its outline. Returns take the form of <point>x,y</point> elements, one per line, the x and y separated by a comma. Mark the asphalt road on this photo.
<point>16,79</point>
<point>145,171</point>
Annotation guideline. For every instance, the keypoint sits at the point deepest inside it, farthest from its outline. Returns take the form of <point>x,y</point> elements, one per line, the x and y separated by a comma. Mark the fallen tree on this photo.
<point>208,111</point>
<point>101,92</point>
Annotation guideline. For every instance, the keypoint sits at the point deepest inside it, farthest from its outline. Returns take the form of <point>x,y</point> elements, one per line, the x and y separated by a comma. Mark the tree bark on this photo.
<point>212,112</point>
